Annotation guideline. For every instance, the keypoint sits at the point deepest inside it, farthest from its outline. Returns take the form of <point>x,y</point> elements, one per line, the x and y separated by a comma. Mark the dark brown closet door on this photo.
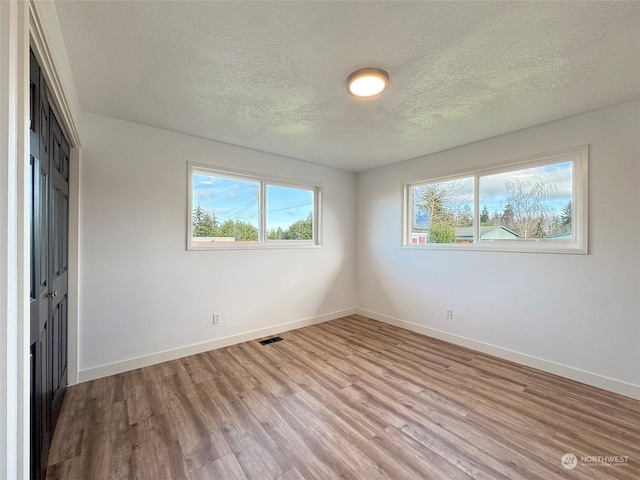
<point>49,177</point>
<point>58,263</point>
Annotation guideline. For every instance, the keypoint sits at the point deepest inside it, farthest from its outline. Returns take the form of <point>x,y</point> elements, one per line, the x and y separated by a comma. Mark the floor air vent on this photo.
<point>271,340</point>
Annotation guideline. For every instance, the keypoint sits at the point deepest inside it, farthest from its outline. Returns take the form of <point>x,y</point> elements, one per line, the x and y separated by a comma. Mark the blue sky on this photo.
<point>559,175</point>
<point>493,193</point>
<point>234,199</point>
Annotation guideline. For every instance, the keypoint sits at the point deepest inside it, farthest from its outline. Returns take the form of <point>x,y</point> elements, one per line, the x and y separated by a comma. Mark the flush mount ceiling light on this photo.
<point>367,82</point>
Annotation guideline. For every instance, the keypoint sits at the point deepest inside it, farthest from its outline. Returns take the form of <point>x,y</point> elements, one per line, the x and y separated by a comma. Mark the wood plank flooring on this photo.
<point>348,399</point>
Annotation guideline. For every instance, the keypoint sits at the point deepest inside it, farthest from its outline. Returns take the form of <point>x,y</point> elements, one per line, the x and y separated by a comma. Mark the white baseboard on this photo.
<point>153,359</point>
<point>593,379</point>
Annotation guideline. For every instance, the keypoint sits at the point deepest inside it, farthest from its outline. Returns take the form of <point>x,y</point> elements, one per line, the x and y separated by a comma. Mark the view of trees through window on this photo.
<point>527,204</point>
<point>289,213</point>
<point>225,209</point>
<point>207,225</point>
<point>229,210</point>
<point>441,208</point>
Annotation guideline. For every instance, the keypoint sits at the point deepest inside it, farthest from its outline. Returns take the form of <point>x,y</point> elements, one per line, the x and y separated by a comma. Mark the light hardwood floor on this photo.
<point>352,398</point>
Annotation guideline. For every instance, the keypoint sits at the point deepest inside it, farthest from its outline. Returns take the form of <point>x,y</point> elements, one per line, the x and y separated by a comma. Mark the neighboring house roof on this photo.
<point>486,233</point>
<point>559,236</point>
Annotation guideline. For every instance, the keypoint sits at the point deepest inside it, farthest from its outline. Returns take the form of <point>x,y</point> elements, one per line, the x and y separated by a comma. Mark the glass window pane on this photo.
<point>289,213</point>
<point>442,212</point>
<point>225,209</point>
<point>529,204</point>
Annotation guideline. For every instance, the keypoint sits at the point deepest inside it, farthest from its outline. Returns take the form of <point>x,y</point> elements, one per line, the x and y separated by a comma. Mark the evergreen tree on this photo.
<point>241,231</point>
<point>484,217</point>
<point>496,218</point>
<point>276,234</point>
<point>565,217</point>
<point>204,223</point>
<point>227,229</point>
<point>507,217</point>
<point>245,232</point>
<point>539,231</point>
<point>300,230</point>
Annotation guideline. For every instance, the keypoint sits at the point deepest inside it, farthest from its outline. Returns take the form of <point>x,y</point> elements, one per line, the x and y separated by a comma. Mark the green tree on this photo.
<point>204,223</point>
<point>227,229</point>
<point>484,217</point>
<point>506,219</point>
<point>496,218</point>
<point>241,231</point>
<point>276,234</point>
<point>442,233</point>
<point>565,217</point>
<point>539,231</point>
<point>300,230</point>
<point>245,232</point>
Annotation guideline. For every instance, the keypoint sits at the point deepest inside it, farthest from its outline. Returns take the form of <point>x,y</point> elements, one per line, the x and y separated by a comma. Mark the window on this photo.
<point>441,210</point>
<point>532,205</point>
<point>236,210</point>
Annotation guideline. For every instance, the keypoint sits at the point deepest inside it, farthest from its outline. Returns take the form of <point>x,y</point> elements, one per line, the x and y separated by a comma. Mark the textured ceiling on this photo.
<point>270,75</point>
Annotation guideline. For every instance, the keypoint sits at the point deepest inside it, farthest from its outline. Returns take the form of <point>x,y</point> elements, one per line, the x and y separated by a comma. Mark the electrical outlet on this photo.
<point>216,318</point>
<point>449,313</point>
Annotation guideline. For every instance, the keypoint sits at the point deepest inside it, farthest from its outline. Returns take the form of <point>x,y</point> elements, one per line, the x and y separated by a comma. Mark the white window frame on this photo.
<point>577,245</point>
<point>264,181</point>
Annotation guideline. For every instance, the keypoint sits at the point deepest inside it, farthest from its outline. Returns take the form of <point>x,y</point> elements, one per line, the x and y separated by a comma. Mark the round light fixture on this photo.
<point>367,82</point>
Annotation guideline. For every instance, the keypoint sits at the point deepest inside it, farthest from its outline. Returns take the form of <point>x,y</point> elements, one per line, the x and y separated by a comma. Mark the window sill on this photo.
<point>530,247</point>
<point>253,246</point>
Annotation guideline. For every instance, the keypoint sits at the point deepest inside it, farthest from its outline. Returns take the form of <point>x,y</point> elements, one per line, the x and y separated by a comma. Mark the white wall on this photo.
<point>548,310</point>
<point>142,292</point>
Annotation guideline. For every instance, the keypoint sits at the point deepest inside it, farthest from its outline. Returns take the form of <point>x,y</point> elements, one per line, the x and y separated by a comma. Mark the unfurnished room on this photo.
<point>298,240</point>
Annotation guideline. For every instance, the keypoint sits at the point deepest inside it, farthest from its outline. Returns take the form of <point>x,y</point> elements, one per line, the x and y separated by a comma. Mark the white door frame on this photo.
<point>14,241</point>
